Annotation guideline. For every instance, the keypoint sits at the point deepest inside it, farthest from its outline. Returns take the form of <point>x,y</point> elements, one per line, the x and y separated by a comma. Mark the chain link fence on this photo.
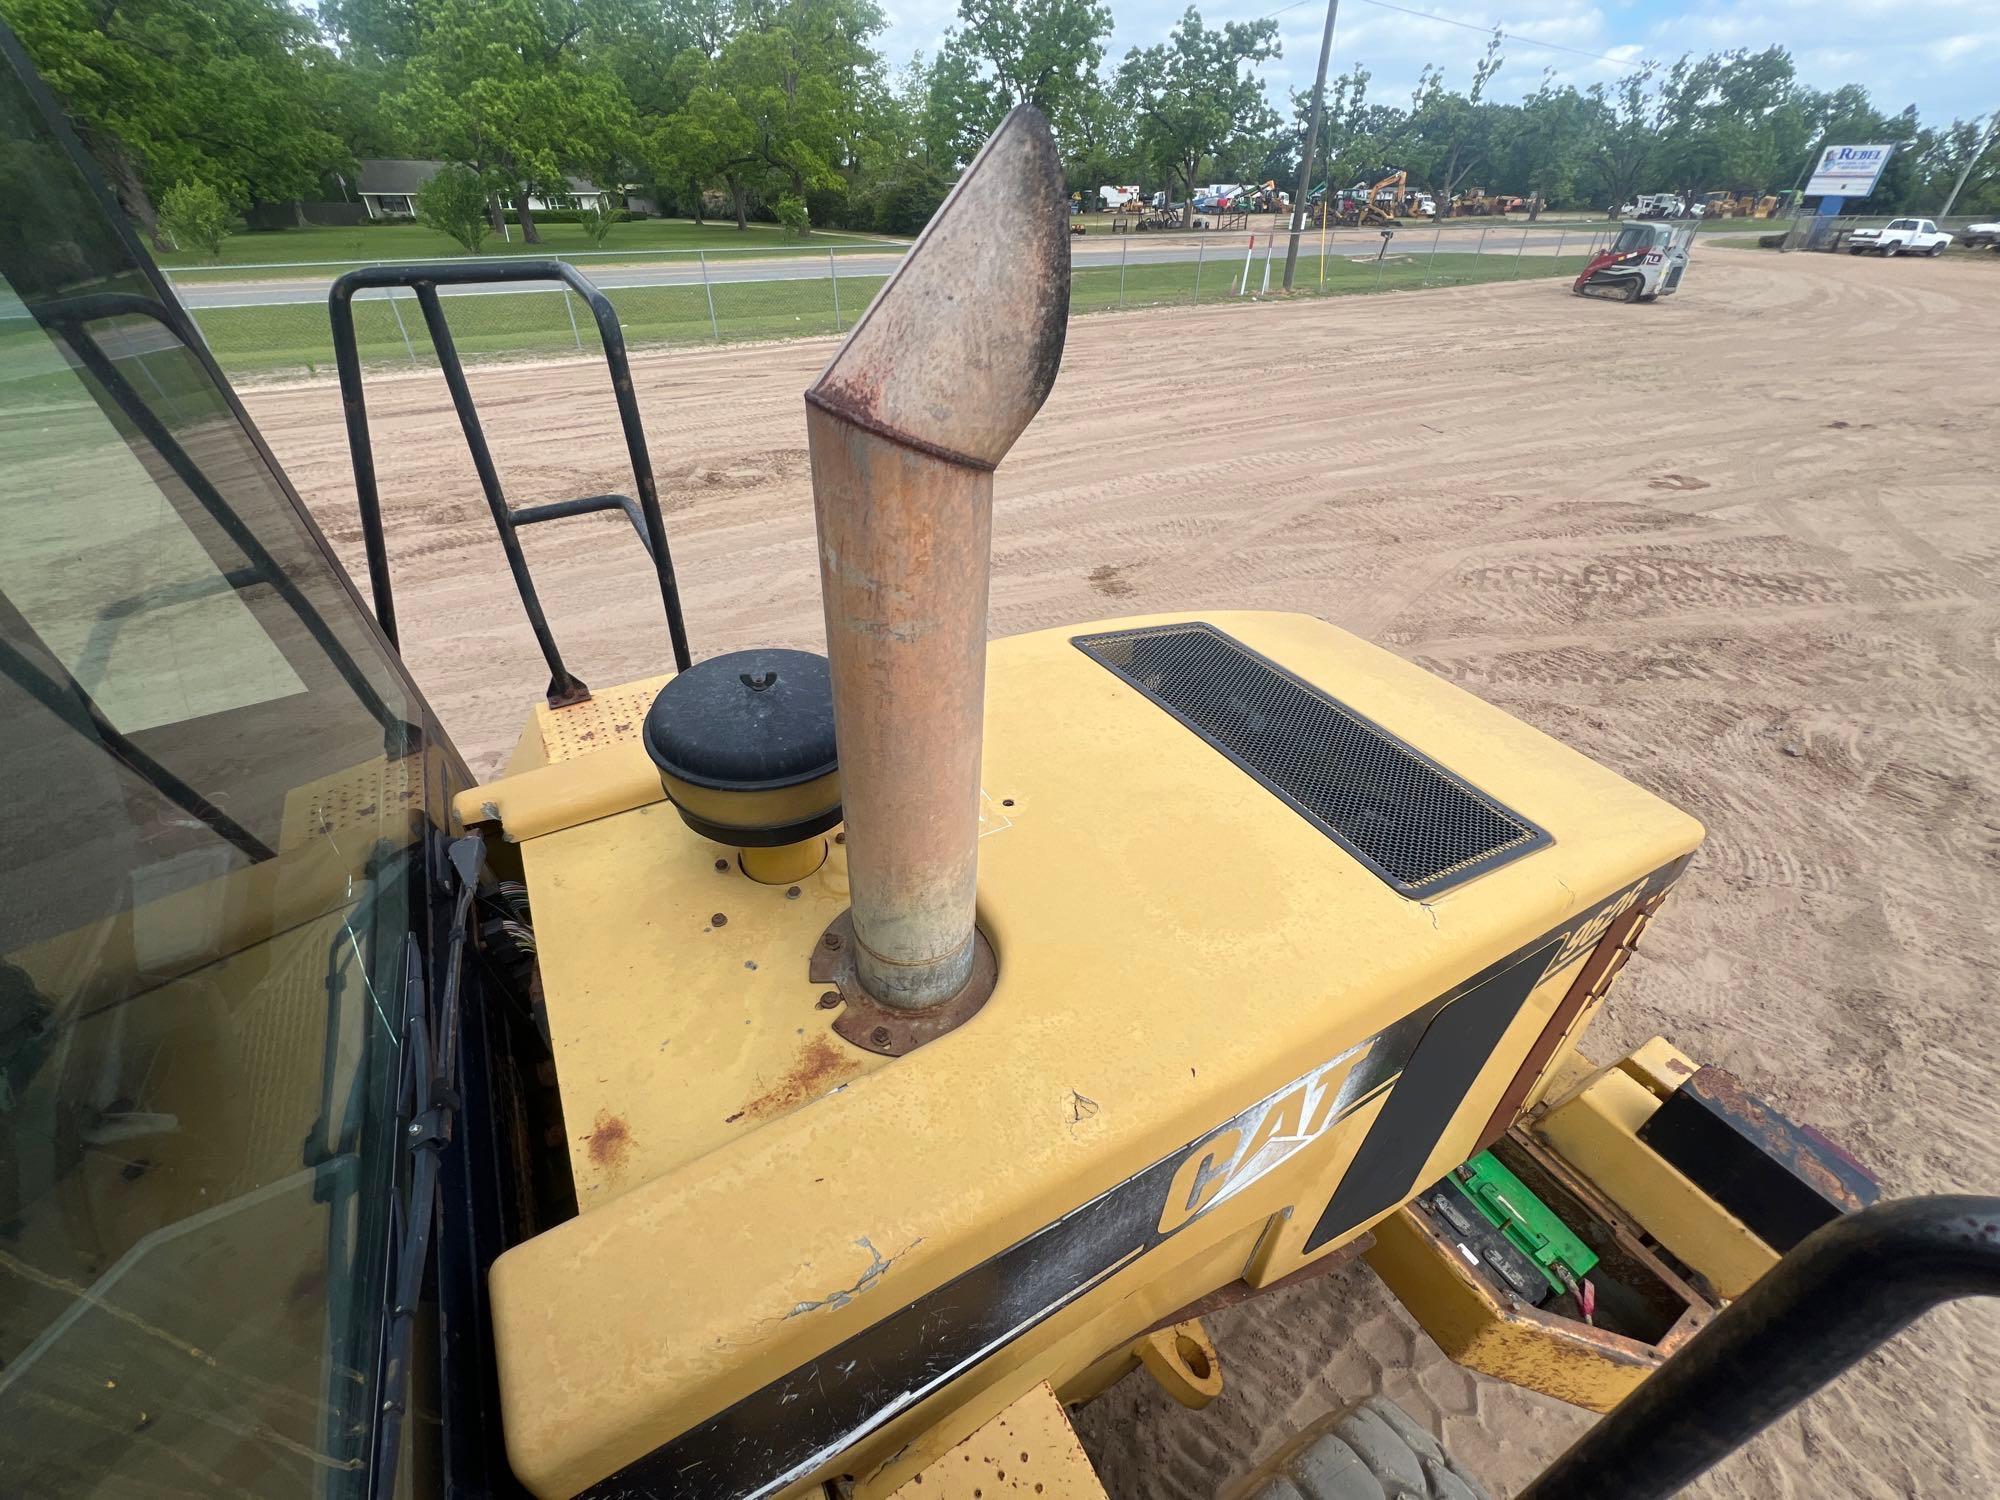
<point>280,327</point>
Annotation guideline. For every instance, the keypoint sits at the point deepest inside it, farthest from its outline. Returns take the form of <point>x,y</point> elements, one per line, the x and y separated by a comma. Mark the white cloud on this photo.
<point>1965,45</point>
<point>1920,52</point>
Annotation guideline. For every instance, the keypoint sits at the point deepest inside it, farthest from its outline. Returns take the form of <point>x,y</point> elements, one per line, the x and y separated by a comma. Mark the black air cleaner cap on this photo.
<point>748,721</point>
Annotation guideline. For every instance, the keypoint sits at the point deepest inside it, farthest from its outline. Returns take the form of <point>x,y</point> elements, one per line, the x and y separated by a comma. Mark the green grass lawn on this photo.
<point>1164,285</point>
<point>372,242</point>
<point>292,338</point>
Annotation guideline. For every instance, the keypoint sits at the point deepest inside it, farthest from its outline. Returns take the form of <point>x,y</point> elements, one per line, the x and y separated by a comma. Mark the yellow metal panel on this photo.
<point>610,716</point>
<point>1174,945</point>
<point>1512,1342</point>
<point>550,798</point>
<point>1029,1449</point>
<point>1596,1131</point>
<point>785,864</point>
<point>1282,1250</point>
<point>662,1061</point>
<point>1658,1065</point>
<point>1565,1073</point>
<point>529,753</point>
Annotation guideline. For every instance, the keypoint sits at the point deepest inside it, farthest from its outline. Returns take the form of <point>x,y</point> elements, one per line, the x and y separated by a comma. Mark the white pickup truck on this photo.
<point>1978,236</point>
<point>1900,237</point>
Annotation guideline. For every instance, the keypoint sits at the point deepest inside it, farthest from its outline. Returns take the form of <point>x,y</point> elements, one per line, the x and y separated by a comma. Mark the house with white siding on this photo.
<point>388,187</point>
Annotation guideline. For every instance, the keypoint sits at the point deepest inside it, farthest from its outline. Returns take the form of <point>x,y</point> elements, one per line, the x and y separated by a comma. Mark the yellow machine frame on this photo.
<point>1199,1018</point>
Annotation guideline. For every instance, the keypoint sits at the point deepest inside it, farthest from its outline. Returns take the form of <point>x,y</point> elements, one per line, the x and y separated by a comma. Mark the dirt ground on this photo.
<point>1740,545</point>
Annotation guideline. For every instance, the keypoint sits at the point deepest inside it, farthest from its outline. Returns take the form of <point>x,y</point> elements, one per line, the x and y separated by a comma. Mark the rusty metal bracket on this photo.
<point>890,1030</point>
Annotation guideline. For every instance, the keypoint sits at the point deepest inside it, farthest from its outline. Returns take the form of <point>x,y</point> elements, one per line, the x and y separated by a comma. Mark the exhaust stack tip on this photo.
<point>961,346</point>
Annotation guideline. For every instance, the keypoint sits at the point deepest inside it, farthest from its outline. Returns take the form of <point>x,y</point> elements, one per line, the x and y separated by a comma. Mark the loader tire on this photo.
<point>1372,1451</point>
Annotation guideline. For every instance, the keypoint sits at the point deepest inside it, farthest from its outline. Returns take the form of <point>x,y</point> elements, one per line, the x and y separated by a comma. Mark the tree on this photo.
<point>596,222</point>
<point>230,92</point>
<point>194,217</point>
<point>659,51</point>
<point>799,72</point>
<point>1687,150</point>
<point>1192,95</point>
<point>1623,133</point>
<point>1450,135</point>
<point>710,138</point>
<point>956,104</point>
<point>1754,116</point>
<point>1545,143</point>
<point>453,202</point>
<point>501,87</point>
<point>1100,146</point>
<point>1040,52</point>
<point>1347,142</point>
<point>792,214</point>
<point>1965,147</point>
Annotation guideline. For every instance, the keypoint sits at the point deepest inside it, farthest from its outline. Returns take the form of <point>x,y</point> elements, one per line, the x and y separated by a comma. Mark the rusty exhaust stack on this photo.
<point>941,375</point>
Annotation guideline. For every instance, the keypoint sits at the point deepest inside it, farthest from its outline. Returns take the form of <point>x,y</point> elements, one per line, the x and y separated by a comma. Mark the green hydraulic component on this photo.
<point>1528,1222</point>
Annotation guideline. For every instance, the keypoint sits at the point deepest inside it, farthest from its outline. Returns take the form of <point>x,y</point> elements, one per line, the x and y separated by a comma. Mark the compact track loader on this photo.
<point>1646,261</point>
<point>800,1072</point>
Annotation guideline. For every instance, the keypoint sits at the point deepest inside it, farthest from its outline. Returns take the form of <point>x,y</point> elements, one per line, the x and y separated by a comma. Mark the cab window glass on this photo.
<point>212,794</point>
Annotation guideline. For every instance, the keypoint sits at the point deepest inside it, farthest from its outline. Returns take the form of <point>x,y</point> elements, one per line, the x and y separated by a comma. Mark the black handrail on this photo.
<point>424,280</point>
<point>1844,1291</point>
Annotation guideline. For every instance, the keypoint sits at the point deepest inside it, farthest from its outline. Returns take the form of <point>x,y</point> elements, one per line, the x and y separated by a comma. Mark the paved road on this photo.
<point>1090,252</point>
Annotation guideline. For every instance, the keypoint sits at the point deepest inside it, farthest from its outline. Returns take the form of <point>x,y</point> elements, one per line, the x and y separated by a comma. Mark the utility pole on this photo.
<point>1805,170</point>
<point>1312,140</point>
<point>1963,172</point>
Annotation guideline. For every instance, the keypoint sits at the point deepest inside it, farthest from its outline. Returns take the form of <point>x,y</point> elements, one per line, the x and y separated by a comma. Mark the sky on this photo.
<point>1941,55</point>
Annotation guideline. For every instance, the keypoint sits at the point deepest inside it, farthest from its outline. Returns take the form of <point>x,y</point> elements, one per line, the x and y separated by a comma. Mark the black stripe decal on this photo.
<point>1454,1047</point>
<point>783,1432</point>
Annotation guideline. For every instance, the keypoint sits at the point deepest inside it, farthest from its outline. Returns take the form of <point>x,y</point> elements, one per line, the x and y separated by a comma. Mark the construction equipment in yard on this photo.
<point>1646,261</point>
<point>1378,203</point>
<point>1476,203</point>
<point>1370,209</point>
<point>792,1070</point>
<point>1749,206</point>
<point>1725,205</point>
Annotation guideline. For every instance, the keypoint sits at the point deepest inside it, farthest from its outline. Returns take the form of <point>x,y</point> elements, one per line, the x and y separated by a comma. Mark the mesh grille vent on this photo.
<point>1409,820</point>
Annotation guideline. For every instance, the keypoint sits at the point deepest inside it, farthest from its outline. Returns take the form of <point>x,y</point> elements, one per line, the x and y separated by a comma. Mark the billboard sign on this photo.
<point>1848,171</point>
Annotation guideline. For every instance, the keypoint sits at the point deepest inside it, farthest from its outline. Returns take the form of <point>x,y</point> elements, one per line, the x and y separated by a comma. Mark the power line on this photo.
<point>1624,62</point>
<point>1515,36</point>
